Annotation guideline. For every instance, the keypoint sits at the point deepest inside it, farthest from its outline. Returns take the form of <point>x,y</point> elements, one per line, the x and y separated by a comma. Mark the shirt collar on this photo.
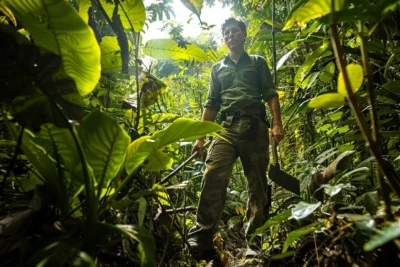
<point>244,56</point>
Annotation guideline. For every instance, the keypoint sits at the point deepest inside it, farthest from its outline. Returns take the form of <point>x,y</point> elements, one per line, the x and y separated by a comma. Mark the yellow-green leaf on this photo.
<point>311,10</point>
<point>194,5</point>
<point>84,6</point>
<point>159,161</point>
<point>356,77</point>
<point>330,100</point>
<point>181,129</point>
<point>170,49</point>
<point>131,12</point>
<point>111,60</point>
<point>57,27</point>
<point>105,143</point>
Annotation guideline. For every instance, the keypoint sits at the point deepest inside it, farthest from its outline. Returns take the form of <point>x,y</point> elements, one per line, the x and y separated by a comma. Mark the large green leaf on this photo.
<point>159,161</point>
<point>181,129</point>
<point>131,12</point>
<point>311,10</point>
<point>111,60</point>
<point>330,100</point>
<point>356,76</point>
<point>146,244</point>
<point>171,49</point>
<point>303,209</point>
<point>310,61</point>
<point>387,234</point>
<point>292,236</point>
<point>277,219</point>
<point>57,27</point>
<point>105,143</point>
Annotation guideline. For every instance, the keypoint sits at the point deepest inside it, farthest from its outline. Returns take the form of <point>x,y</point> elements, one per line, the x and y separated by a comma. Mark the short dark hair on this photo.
<point>230,20</point>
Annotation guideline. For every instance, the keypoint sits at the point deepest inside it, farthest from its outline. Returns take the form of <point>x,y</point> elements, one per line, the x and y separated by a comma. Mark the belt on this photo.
<point>243,112</point>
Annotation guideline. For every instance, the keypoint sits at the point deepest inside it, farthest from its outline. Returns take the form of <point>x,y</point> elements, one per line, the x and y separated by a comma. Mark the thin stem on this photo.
<point>137,80</point>
<point>374,121</point>
<point>352,101</point>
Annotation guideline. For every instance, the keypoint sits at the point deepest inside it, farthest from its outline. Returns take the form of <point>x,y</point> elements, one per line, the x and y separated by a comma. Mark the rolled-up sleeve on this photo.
<point>267,85</point>
<point>214,91</point>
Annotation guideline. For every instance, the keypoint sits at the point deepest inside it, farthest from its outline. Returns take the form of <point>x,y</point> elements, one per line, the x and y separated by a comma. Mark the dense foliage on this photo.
<point>90,129</point>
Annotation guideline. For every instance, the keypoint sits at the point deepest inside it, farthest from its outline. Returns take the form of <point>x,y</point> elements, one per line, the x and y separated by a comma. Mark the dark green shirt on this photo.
<point>242,85</point>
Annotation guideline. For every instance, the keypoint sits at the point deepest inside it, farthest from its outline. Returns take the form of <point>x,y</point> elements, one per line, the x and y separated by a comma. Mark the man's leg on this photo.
<point>253,152</point>
<point>220,160</point>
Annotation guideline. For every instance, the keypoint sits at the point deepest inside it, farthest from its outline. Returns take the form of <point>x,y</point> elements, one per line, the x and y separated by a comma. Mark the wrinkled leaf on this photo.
<point>330,100</point>
<point>388,233</point>
<point>57,27</point>
<point>356,77</point>
<point>303,210</point>
<point>170,49</point>
<point>84,6</point>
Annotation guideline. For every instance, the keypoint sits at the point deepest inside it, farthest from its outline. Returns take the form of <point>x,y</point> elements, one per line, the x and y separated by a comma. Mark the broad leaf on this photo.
<point>332,190</point>
<point>105,143</point>
<point>317,54</point>
<point>330,100</point>
<point>387,234</point>
<point>131,12</point>
<point>159,161</point>
<point>57,27</point>
<point>146,244</point>
<point>180,129</point>
<point>356,76</point>
<point>292,236</point>
<point>303,210</point>
<point>111,60</point>
<point>311,10</point>
<point>277,219</point>
<point>171,49</point>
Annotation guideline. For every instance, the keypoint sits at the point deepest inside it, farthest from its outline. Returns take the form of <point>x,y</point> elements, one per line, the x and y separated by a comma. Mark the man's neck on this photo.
<point>235,54</point>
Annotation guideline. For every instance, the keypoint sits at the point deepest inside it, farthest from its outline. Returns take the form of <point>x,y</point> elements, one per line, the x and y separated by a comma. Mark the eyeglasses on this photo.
<point>232,31</point>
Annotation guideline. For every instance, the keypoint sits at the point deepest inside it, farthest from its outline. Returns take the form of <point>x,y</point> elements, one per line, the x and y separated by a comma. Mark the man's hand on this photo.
<point>276,134</point>
<point>198,147</point>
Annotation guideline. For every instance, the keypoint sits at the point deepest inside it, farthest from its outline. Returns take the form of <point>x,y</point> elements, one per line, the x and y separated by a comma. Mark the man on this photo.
<point>238,84</point>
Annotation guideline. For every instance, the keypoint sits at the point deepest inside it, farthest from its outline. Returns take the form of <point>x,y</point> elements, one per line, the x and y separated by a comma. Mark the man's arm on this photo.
<point>277,129</point>
<point>209,114</point>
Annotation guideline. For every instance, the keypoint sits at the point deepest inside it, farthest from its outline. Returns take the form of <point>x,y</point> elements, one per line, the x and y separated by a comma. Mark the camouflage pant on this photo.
<point>248,139</point>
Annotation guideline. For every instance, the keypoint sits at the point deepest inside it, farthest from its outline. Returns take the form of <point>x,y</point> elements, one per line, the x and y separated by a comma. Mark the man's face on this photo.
<point>234,36</point>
